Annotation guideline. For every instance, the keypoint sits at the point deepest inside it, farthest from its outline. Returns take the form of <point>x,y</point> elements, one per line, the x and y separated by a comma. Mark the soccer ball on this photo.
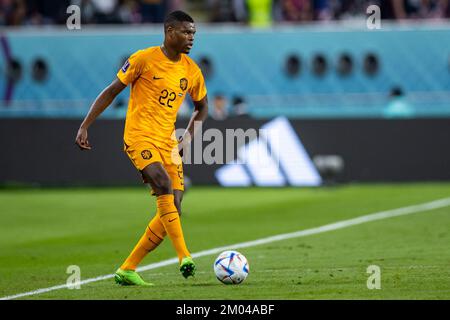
<point>231,267</point>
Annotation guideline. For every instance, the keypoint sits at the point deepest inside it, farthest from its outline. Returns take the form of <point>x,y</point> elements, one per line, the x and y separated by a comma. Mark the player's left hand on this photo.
<point>82,139</point>
<point>180,146</point>
<point>183,143</point>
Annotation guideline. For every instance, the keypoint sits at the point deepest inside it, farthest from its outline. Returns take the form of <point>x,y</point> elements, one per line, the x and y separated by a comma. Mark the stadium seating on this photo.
<point>245,62</point>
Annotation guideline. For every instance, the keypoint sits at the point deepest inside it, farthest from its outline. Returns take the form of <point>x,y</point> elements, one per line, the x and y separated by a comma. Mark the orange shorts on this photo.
<point>144,153</point>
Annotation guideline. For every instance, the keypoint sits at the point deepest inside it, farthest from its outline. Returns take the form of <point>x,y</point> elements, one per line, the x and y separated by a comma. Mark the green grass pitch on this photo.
<point>42,232</point>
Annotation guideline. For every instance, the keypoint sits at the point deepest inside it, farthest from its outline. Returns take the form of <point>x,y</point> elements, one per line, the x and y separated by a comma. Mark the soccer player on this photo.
<point>160,78</point>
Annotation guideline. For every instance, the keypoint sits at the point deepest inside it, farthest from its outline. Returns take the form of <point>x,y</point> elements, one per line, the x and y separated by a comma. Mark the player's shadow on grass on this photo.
<point>217,285</point>
<point>204,284</point>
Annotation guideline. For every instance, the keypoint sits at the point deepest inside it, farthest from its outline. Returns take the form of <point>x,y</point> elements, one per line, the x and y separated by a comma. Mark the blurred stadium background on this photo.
<point>365,105</point>
<point>368,104</point>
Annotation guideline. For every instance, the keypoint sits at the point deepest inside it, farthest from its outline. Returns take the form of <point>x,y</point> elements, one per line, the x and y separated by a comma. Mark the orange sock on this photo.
<point>152,237</point>
<point>168,214</point>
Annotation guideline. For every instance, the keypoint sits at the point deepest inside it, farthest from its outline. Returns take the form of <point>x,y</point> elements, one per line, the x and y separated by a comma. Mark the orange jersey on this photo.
<point>158,87</point>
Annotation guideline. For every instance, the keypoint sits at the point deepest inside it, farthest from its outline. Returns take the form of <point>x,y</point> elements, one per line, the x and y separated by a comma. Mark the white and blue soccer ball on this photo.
<point>231,267</point>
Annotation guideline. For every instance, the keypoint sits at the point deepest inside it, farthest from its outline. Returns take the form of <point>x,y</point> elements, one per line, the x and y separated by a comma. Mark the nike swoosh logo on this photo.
<point>156,78</point>
<point>170,220</point>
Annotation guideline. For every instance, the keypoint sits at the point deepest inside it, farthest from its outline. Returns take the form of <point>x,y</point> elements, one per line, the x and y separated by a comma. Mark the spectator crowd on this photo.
<point>262,12</point>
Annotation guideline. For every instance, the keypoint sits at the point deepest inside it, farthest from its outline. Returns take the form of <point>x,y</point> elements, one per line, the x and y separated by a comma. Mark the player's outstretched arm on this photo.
<point>200,114</point>
<point>103,100</point>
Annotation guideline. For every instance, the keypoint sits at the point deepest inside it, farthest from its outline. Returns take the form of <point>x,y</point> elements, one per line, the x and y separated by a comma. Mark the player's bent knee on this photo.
<point>158,178</point>
<point>163,184</point>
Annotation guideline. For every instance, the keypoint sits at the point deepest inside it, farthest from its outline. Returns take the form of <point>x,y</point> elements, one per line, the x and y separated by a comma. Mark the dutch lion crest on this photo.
<point>183,84</point>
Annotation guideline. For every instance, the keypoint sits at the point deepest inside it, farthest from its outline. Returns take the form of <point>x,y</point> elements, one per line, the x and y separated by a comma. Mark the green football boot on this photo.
<point>187,267</point>
<point>130,278</point>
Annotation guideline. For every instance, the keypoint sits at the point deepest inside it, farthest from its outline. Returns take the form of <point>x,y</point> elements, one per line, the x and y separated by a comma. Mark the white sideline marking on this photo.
<point>328,227</point>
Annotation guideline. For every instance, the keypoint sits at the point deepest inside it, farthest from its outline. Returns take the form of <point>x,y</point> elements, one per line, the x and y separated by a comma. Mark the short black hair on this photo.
<point>176,16</point>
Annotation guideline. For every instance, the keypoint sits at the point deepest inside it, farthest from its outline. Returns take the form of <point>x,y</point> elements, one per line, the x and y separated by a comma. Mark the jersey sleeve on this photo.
<point>132,68</point>
<point>198,89</point>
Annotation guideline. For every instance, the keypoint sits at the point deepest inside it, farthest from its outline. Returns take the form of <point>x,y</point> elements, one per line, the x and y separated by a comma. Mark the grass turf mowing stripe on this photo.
<point>325,228</point>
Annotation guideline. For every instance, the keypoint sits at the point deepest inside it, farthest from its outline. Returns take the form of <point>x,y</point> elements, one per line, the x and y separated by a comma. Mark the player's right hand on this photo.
<point>81,139</point>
